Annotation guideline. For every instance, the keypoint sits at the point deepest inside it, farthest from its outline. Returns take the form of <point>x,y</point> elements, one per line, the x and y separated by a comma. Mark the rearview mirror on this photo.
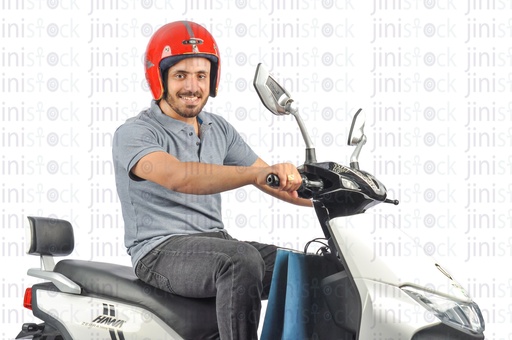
<point>278,101</point>
<point>275,98</point>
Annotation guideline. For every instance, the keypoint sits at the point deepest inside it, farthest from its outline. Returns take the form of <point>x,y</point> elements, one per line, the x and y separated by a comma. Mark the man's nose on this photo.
<point>191,84</point>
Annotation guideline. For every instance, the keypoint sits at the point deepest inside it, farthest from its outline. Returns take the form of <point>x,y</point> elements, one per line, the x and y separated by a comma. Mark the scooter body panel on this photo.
<point>388,255</point>
<point>86,317</point>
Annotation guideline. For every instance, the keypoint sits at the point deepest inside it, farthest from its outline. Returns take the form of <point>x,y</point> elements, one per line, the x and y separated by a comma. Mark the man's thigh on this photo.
<point>188,265</point>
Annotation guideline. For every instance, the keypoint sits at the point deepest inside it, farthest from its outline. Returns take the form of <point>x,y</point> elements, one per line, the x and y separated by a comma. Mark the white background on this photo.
<point>434,78</point>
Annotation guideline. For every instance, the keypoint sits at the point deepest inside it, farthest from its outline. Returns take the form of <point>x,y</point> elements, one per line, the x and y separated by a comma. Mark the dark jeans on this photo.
<point>214,264</point>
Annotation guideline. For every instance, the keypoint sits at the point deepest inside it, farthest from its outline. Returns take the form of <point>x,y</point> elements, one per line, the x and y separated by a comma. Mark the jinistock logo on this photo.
<point>434,78</point>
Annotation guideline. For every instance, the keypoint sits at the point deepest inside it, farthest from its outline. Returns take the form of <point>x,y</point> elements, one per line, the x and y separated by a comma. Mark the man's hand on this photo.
<point>289,182</point>
<point>289,177</point>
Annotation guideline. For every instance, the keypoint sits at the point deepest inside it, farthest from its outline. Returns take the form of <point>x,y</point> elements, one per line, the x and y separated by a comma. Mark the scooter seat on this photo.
<point>190,318</point>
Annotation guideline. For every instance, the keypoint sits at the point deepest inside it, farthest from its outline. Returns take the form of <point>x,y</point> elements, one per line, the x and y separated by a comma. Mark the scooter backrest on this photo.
<point>50,236</point>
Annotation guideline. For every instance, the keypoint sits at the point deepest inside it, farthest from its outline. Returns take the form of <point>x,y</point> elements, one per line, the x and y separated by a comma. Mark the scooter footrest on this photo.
<point>29,330</point>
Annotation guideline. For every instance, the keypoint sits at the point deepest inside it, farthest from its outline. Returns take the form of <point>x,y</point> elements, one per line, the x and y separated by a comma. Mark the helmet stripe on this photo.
<point>189,29</point>
<point>191,36</point>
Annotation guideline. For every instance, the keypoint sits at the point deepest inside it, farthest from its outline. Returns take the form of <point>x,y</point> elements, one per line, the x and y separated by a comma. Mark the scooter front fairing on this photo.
<point>402,290</point>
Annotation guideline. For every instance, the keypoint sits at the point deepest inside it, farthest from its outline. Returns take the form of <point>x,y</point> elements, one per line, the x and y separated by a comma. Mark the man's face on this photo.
<point>188,88</point>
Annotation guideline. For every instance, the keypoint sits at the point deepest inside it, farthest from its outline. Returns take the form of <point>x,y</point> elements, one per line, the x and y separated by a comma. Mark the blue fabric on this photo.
<point>288,301</point>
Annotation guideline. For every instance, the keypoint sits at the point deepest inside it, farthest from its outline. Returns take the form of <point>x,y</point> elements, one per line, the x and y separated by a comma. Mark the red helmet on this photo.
<point>174,42</point>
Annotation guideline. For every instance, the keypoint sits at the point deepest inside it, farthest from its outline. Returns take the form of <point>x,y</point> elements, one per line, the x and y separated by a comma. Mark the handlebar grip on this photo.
<point>273,180</point>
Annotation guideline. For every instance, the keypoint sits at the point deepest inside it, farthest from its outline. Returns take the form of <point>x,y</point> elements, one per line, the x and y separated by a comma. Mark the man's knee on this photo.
<point>251,271</point>
<point>250,260</point>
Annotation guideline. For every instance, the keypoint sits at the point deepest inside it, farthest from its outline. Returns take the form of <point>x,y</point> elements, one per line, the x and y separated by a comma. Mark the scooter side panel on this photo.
<point>389,255</point>
<point>95,318</point>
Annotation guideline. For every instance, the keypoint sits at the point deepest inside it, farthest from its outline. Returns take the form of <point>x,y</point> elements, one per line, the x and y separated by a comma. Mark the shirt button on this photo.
<point>198,143</point>
<point>190,133</point>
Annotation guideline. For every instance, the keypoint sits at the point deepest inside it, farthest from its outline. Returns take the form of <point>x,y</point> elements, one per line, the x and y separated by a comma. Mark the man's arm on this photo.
<point>202,178</point>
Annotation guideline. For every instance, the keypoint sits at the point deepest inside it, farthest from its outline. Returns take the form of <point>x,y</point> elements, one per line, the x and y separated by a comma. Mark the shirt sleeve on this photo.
<point>131,142</point>
<point>239,153</point>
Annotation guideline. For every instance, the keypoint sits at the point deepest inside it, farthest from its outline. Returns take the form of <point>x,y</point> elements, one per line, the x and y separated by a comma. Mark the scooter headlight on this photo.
<point>465,316</point>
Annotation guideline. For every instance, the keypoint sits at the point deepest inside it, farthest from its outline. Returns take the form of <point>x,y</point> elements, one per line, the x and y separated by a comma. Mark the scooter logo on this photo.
<point>109,321</point>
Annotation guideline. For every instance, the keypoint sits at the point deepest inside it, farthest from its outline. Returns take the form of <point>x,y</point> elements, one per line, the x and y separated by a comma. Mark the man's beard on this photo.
<point>193,111</point>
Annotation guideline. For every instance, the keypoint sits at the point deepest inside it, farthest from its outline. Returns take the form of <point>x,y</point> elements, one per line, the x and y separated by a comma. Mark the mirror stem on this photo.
<point>310,149</point>
<point>354,159</point>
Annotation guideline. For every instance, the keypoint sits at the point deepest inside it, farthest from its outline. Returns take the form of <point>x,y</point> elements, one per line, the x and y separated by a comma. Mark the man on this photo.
<point>171,162</point>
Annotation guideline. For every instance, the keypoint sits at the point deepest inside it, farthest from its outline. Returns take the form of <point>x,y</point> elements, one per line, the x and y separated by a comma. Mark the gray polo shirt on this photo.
<point>153,213</point>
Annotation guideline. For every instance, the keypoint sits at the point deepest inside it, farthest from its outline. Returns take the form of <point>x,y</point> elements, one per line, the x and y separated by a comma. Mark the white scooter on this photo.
<point>368,296</point>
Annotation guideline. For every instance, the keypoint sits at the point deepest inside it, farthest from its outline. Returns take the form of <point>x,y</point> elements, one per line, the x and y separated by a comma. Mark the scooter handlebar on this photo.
<point>273,181</point>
